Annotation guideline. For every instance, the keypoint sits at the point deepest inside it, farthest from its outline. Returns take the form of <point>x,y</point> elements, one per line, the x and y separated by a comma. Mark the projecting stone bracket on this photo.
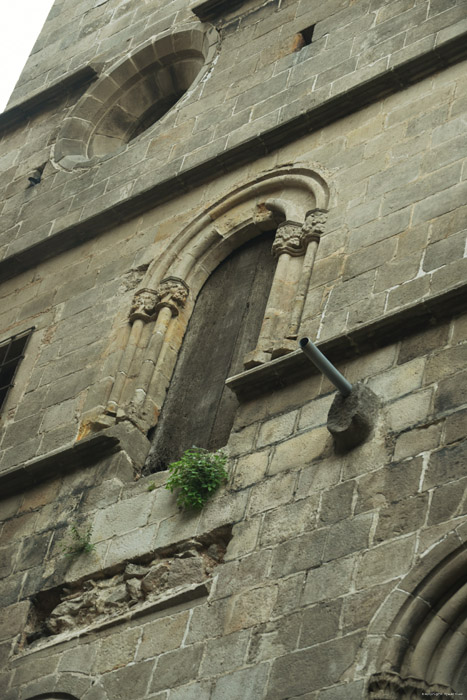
<point>351,418</point>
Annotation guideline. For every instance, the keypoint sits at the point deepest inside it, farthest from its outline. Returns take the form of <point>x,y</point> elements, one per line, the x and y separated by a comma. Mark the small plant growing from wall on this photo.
<point>198,473</point>
<point>80,542</point>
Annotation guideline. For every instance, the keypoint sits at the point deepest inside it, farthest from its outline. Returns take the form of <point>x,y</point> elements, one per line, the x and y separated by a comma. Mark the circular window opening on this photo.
<point>134,95</point>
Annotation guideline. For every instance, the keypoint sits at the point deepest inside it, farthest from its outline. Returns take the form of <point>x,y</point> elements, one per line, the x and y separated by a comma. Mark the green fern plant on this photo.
<point>198,473</point>
<point>80,542</point>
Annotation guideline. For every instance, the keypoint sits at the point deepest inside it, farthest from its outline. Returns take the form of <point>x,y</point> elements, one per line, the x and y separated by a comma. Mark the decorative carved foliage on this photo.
<point>293,238</point>
<point>390,686</point>
<point>172,293</point>
<point>144,305</point>
<point>288,240</point>
<point>314,225</point>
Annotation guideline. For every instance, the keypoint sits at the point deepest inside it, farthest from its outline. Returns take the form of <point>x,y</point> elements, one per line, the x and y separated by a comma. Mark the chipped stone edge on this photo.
<point>211,9</point>
<point>177,596</point>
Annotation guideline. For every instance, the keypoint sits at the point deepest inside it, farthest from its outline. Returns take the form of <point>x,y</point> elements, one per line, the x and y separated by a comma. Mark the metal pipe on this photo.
<point>324,366</point>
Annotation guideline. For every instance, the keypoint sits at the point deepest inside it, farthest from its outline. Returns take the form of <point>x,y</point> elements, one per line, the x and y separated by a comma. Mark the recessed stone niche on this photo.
<point>162,578</point>
<point>133,95</point>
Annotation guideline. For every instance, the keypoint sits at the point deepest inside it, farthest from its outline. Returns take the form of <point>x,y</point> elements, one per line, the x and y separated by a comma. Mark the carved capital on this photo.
<point>313,228</point>
<point>288,240</point>
<point>173,293</point>
<point>390,686</point>
<point>144,304</point>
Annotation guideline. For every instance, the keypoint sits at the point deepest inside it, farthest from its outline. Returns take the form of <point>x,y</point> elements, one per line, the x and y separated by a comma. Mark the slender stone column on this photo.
<point>142,310</point>
<point>287,246</point>
<point>312,230</point>
<point>172,295</point>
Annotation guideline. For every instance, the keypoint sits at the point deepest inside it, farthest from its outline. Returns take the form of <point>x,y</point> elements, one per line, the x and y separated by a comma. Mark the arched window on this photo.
<point>232,285</point>
<point>135,93</point>
<point>199,410</point>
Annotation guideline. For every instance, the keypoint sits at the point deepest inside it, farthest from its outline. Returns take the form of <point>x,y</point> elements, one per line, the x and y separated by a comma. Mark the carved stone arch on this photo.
<point>291,200</point>
<point>284,193</point>
<point>134,93</point>
<point>424,649</point>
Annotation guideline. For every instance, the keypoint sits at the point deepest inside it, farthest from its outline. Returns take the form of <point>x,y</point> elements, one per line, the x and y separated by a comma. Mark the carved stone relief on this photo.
<point>172,293</point>
<point>314,225</point>
<point>143,305</point>
<point>390,686</point>
<point>288,240</point>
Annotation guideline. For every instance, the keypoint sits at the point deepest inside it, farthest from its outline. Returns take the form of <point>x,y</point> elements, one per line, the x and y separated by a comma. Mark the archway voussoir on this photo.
<point>164,46</point>
<point>430,561</point>
<point>133,95</point>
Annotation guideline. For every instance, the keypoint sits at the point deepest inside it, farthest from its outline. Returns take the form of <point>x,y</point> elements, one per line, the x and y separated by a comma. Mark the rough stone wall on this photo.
<point>241,99</point>
<point>398,180</point>
<point>289,582</point>
<point>318,544</point>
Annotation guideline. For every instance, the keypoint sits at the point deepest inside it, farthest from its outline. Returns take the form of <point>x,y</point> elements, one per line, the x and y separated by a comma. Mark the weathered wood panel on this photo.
<point>199,409</point>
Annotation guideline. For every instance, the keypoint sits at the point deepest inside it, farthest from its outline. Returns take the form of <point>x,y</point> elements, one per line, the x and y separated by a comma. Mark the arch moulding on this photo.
<point>423,651</point>
<point>293,200</point>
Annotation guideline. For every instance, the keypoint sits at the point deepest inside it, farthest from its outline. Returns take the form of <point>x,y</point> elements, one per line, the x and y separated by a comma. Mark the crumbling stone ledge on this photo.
<point>182,595</point>
<point>80,454</point>
<point>164,578</point>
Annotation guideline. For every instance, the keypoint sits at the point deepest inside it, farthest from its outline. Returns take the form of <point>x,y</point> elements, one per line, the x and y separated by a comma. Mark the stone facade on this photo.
<point>144,143</point>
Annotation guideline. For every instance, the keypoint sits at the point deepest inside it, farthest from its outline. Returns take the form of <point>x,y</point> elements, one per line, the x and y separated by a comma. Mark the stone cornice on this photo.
<point>23,110</point>
<point>295,366</point>
<point>312,119</point>
<point>83,453</point>
<point>87,451</point>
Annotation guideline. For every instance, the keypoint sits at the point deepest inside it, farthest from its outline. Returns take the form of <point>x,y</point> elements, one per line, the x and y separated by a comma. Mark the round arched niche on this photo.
<point>134,94</point>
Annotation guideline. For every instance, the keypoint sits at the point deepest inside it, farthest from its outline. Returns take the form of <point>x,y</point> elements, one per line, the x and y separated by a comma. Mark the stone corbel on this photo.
<point>391,686</point>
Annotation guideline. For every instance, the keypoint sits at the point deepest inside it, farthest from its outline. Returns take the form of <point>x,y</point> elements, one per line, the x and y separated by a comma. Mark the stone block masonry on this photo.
<point>338,128</point>
<point>72,304</point>
<point>317,546</point>
<point>266,89</point>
